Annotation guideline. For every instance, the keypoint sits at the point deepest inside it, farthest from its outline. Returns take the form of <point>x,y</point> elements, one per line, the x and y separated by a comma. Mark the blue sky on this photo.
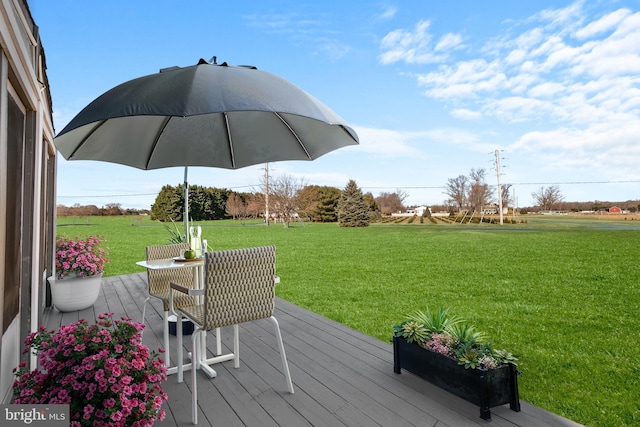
<point>431,88</point>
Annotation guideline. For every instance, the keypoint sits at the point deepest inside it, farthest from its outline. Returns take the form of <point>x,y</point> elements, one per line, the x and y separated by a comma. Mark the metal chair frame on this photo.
<point>159,280</point>
<point>239,287</point>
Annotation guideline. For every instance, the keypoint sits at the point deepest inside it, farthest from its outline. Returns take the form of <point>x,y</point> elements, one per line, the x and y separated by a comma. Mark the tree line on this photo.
<point>110,209</point>
<point>287,199</point>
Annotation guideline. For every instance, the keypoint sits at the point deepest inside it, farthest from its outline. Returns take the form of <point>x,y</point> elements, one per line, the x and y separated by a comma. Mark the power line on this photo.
<point>133,195</point>
<point>575,182</point>
<point>109,195</point>
<point>519,183</point>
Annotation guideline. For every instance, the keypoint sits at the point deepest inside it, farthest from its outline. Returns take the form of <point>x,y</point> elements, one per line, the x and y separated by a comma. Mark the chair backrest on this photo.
<point>159,279</point>
<point>240,286</point>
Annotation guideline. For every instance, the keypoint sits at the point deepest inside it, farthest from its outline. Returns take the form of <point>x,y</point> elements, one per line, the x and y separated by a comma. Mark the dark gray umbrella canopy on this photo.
<point>204,115</point>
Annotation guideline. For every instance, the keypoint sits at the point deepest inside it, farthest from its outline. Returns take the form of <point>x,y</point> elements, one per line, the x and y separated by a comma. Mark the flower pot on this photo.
<point>74,293</point>
<point>187,326</point>
<point>486,388</point>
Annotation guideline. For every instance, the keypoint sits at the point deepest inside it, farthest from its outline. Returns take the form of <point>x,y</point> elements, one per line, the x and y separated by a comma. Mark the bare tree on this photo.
<point>255,205</point>
<point>548,198</point>
<point>112,209</point>
<point>456,189</point>
<point>235,206</point>
<point>479,191</point>
<point>283,192</point>
<point>506,195</point>
<point>389,203</point>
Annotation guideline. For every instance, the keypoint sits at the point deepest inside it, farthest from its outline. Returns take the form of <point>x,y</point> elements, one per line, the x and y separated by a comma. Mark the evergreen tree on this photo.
<point>328,199</point>
<point>319,204</point>
<point>353,210</point>
<point>205,203</point>
<point>169,204</point>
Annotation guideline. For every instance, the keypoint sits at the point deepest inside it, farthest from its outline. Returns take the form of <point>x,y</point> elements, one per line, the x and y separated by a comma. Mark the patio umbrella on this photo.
<point>208,114</point>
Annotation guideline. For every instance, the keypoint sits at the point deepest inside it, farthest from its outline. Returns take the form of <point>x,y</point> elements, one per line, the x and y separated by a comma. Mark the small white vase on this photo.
<point>75,293</point>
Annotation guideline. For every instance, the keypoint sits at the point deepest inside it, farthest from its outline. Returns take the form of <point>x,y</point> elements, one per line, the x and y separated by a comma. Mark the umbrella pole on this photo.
<point>186,205</point>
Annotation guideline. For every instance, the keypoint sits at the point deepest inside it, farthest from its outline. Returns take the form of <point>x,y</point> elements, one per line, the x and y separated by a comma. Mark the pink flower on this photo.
<point>116,371</point>
<point>82,257</point>
<point>87,366</point>
<point>137,364</point>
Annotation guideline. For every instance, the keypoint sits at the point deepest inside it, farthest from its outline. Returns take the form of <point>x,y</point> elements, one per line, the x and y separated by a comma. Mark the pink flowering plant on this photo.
<point>452,337</point>
<point>103,371</point>
<point>80,257</point>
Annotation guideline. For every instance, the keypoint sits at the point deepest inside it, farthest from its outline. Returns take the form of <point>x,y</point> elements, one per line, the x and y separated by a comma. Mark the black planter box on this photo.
<point>486,388</point>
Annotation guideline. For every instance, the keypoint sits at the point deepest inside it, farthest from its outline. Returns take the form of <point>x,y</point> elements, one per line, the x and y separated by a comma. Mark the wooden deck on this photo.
<point>341,377</point>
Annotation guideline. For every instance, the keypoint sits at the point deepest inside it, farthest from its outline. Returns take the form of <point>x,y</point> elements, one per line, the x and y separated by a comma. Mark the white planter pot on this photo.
<point>76,293</point>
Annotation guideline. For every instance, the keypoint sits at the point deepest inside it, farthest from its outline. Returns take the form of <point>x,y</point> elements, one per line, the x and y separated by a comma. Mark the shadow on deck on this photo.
<point>341,377</point>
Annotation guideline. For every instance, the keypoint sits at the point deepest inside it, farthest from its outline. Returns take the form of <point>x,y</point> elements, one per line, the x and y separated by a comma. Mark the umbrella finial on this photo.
<point>212,61</point>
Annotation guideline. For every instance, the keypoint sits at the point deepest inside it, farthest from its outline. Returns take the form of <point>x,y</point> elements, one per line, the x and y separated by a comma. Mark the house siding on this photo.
<point>27,185</point>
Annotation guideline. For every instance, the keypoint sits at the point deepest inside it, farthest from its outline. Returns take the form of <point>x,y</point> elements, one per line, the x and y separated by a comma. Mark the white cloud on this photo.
<point>564,82</point>
<point>604,148</point>
<point>563,20</point>
<point>412,145</point>
<point>333,49</point>
<point>540,71</point>
<point>388,13</point>
<point>385,142</point>
<point>466,79</point>
<point>414,47</point>
<point>466,114</point>
<point>602,25</point>
<point>546,90</point>
<point>449,41</point>
<point>518,109</point>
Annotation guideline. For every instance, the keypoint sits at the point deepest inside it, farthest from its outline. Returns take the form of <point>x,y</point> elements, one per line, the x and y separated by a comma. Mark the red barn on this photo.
<point>615,210</point>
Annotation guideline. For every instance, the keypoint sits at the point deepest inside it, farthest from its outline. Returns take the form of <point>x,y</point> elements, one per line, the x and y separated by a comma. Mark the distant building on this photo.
<point>494,209</point>
<point>615,210</point>
<point>417,211</point>
<point>489,210</point>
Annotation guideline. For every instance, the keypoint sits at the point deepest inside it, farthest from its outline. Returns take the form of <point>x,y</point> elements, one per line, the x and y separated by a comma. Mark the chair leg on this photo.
<point>180,362</point>
<point>236,346</point>
<point>195,356</point>
<point>283,355</point>
<point>218,342</point>
<point>144,311</point>
<point>167,358</point>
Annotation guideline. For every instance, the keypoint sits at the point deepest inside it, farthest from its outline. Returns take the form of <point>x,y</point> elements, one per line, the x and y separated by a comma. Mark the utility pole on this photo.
<point>499,187</point>
<point>266,193</point>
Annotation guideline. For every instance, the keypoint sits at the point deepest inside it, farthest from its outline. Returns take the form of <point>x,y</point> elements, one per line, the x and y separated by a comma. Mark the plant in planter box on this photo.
<point>450,353</point>
<point>103,371</point>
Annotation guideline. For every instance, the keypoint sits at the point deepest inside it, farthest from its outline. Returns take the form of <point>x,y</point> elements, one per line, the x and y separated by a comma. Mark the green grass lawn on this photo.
<point>562,293</point>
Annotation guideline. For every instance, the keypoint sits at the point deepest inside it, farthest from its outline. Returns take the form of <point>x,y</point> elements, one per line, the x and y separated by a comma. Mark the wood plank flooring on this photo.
<point>341,377</point>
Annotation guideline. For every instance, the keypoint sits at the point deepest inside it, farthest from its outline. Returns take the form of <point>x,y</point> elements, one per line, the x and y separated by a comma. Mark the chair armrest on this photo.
<point>186,290</point>
<point>182,289</point>
<point>276,279</point>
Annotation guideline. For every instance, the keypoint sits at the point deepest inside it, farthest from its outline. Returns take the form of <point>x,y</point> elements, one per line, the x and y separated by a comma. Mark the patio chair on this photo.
<point>239,287</point>
<point>159,284</point>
